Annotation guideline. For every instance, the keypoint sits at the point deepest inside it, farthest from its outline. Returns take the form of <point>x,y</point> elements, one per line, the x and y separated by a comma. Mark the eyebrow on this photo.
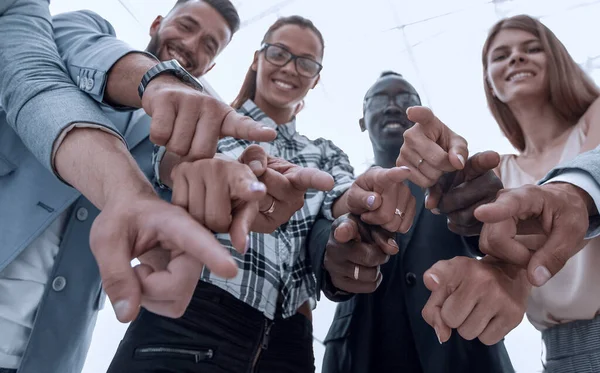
<point>502,47</point>
<point>305,55</point>
<point>191,19</point>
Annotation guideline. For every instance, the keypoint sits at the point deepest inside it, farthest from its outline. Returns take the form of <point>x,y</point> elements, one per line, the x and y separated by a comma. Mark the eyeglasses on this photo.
<point>403,100</point>
<point>279,56</point>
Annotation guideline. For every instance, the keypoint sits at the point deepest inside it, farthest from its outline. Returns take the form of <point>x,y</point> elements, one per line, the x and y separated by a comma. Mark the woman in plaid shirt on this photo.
<point>260,320</point>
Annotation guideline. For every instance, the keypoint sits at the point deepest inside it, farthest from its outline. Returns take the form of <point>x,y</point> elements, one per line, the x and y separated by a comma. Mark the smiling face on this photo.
<point>194,33</point>
<point>385,110</point>
<point>281,86</point>
<point>517,66</point>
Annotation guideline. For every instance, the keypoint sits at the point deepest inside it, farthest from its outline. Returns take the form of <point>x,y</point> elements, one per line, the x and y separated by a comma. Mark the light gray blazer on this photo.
<point>41,94</point>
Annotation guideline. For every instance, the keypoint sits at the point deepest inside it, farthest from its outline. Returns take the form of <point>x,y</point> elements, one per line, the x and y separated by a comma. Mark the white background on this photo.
<point>435,44</point>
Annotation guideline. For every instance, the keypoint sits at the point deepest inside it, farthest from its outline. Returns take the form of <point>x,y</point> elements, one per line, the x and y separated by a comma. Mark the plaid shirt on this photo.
<point>277,265</point>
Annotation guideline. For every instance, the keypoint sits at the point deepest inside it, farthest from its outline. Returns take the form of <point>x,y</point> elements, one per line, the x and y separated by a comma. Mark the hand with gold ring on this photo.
<point>286,185</point>
<point>354,253</point>
<point>381,197</point>
<point>221,193</point>
<point>430,148</point>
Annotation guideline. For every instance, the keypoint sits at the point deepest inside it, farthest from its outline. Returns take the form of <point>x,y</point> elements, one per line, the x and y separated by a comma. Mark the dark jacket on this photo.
<point>384,331</point>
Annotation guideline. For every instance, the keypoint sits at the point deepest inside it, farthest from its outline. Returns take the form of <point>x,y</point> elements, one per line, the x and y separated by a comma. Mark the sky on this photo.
<point>435,44</point>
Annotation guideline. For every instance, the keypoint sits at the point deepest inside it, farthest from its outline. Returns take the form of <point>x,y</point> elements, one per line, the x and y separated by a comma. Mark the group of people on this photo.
<point>238,221</point>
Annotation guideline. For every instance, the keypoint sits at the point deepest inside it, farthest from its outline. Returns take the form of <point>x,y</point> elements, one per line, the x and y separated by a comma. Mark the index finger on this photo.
<point>437,131</point>
<point>178,231</point>
<point>511,203</point>
<point>377,179</point>
<point>243,127</point>
<point>311,178</point>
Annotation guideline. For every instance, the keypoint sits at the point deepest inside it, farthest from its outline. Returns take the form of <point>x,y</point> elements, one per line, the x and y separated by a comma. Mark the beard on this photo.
<point>154,46</point>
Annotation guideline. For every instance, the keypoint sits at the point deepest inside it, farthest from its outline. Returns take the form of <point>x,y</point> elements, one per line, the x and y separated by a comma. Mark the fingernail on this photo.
<point>247,244</point>
<point>258,187</point>
<point>371,201</point>
<point>461,159</point>
<point>404,168</point>
<point>541,275</point>
<point>121,309</point>
<point>426,198</point>
<point>255,165</point>
<point>437,335</point>
<point>434,278</point>
<point>436,211</point>
<point>392,242</point>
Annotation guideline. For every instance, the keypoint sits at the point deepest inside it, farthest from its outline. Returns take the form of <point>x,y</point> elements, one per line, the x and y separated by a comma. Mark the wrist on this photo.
<point>582,194</point>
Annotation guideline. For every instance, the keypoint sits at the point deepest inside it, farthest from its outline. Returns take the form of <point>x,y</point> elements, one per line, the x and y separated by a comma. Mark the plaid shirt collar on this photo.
<point>287,130</point>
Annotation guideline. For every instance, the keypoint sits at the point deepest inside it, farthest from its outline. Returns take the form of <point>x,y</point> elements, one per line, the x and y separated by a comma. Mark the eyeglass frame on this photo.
<point>389,99</point>
<point>293,57</point>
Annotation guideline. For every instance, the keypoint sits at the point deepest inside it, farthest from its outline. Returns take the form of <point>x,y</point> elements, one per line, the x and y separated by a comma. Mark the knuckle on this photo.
<point>466,333</point>
<point>489,339</point>
<point>449,318</point>
<point>428,314</point>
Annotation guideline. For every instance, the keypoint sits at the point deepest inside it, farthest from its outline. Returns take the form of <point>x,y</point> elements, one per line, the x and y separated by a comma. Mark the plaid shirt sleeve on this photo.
<point>337,165</point>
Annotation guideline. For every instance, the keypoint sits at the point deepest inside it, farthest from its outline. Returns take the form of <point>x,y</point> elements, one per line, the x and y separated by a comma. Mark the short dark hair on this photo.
<point>388,73</point>
<point>225,8</point>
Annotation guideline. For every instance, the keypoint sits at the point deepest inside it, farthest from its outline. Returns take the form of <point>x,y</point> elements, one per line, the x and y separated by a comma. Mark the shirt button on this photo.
<point>82,214</point>
<point>89,84</point>
<point>59,283</point>
<point>411,279</point>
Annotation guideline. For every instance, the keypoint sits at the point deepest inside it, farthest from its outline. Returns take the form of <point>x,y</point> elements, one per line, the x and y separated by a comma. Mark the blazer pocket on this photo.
<point>6,166</point>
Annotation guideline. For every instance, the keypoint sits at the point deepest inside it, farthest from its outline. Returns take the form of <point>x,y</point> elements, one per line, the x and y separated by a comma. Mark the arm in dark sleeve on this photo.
<point>317,242</point>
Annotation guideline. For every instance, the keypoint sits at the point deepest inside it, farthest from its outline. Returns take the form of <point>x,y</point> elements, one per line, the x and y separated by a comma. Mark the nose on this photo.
<point>290,68</point>
<point>392,108</point>
<point>518,57</point>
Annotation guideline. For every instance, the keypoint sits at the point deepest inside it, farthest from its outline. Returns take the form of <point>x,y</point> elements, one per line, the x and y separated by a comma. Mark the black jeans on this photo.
<point>217,333</point>
<point>4,370</point>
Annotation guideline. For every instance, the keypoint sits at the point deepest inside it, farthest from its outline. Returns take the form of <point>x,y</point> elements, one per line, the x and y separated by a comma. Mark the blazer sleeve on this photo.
<point>34,84</point>
<point>89,48</point>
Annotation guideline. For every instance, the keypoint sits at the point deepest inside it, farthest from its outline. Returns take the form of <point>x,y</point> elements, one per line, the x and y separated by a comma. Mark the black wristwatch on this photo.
<point>171,67</point>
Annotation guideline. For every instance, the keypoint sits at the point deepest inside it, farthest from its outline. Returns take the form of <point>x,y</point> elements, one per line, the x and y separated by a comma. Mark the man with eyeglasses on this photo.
<point>382,330</point>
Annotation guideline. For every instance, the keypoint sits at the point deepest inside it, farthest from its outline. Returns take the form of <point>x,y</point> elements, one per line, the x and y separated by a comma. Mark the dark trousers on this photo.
<point>217,333</point>
<point>4,370</point>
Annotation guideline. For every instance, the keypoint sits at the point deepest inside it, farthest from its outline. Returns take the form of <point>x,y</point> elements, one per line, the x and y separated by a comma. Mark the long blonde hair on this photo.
<point>571,90</point>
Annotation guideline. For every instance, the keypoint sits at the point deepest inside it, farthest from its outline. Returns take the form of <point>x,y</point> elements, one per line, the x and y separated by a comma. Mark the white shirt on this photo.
<point>22,285</point>
<point>572,293</point>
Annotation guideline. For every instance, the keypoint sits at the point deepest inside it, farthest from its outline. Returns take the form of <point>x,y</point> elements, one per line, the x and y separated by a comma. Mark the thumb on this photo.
<point>552,256</point>
<point>346,231</point>
<point>458,151</point>
<point>431,280</point>
<point>254,157</point>
<point>119,280</point>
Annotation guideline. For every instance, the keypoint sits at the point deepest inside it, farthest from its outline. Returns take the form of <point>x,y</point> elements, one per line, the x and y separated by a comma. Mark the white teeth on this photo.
<point>182,61</point>
<point>393,125</point>
<point>519,76</point>
<point>283,84</point>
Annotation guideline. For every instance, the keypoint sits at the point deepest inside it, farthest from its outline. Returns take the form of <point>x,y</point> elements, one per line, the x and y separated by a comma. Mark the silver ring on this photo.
<point>270,209</point>
<point>419,163</point>
<point>401,214</point>
<point>356,271</point>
